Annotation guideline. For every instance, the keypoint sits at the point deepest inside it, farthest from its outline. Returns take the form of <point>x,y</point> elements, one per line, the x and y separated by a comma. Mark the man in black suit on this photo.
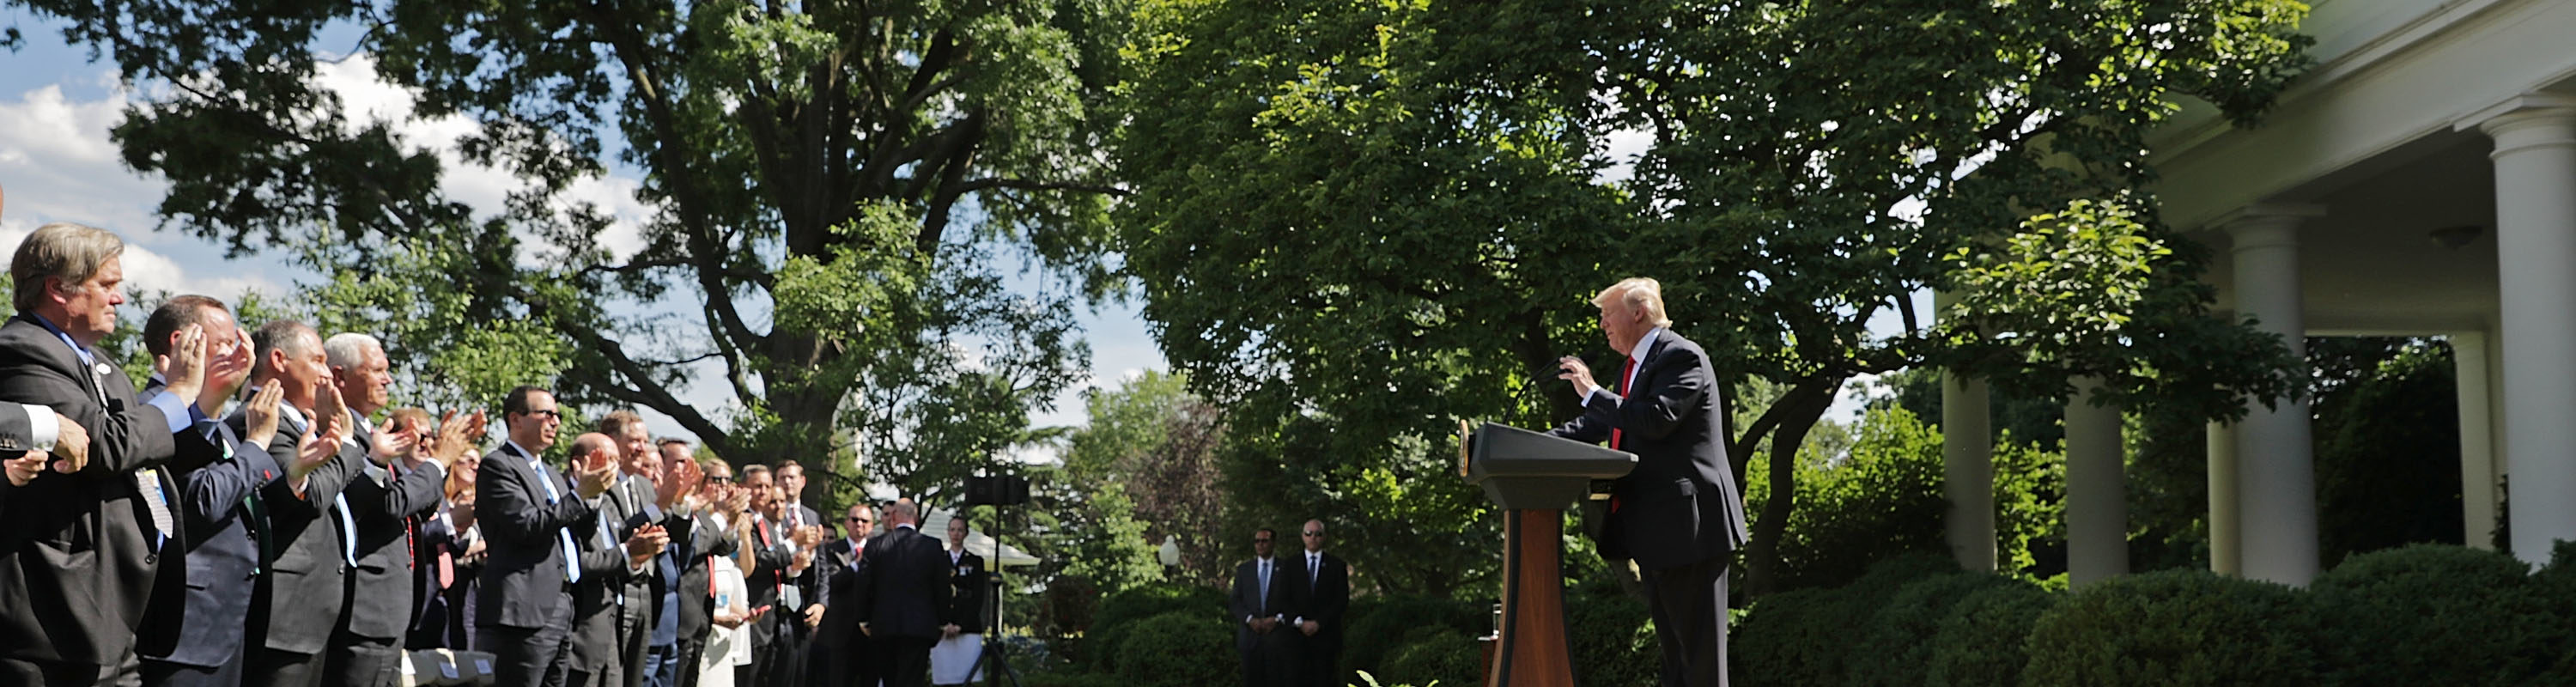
<point>1319,591</point>
<point>1678,514</point>
<point>529,517</point>
<point>297,603</point>
<point>1259,606</point>
<point>192,632</point>
<point>397,485</point>
<point>840,650</point>
<point>85,541</point>
<point>961,641</point>
<point>707,538</point>
<point>903,593</point>
<point>653,605</point>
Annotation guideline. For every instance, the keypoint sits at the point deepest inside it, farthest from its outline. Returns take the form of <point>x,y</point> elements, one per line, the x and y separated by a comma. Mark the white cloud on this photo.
<point>58,165</point>
<point>367,98</point>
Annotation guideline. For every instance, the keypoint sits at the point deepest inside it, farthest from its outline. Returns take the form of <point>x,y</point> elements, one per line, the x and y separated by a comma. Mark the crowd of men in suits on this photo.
<point>258,514</point>
<point>1289,612</point>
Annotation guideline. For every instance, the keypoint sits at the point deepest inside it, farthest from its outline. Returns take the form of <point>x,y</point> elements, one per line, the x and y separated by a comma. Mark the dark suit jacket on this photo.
<point>380,591</point>
<point>76,567</point>
<point>1247,601</point>
<point>523,569</point>
<point>1680,505</point>
<point>1324,600</point>
<point>599,616</point>
<point>705,541</point>
<point>902,586</point>
<point>437,620</point>
<point>197,615</point>
<point>298,600</point>
<point>967,580</point>
<point>765,584</point>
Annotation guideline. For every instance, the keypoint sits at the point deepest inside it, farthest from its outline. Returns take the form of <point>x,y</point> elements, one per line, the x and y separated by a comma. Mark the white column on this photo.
<point>1968,470</point>
<point>2275,463</point>
<point>2477,440</point>
<point>2535,178</point>
<point>2097,502</point>
<point>2224,527</point>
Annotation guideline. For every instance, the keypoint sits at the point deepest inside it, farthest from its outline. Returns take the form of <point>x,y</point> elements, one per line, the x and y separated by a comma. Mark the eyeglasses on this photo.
<point>861,521</point>
<point>1314,533</point>
<point>547,414</point>
<point>719,479</point>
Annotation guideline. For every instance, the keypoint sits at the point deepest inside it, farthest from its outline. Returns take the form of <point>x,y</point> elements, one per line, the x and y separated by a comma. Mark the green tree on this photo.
<point>1390,213</point>
<point>1149,454</point>
<point>829,189</point>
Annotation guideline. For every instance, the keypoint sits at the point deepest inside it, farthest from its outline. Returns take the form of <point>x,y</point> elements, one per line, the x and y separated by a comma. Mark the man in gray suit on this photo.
<point>529,519</point>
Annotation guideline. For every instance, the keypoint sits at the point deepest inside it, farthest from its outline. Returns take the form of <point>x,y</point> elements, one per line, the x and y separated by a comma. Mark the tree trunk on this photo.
<point>1805,403</point>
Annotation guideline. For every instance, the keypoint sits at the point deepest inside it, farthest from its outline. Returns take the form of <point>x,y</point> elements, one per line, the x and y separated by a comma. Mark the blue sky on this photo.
<point>57,164</point>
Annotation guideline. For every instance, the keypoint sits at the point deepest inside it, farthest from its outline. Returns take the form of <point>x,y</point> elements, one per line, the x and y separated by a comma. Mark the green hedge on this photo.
<point>1123,611</point>
<point>1071,680</point>
<point>1613,640</point>
<point>2427,614</point>
<point>1178,649</point>
<point>1807,636</point>
<point>1897,647</point>
<point>1982,640</point>
<point>1376,631</point>
<point>2176,628</point>
<point>1434,653</point>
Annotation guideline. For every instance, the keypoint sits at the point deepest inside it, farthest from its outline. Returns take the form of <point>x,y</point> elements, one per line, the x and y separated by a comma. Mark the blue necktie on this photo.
<point>571,554</point>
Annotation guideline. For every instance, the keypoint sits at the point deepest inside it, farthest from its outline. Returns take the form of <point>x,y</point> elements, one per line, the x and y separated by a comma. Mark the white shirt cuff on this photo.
<point>42,428</point>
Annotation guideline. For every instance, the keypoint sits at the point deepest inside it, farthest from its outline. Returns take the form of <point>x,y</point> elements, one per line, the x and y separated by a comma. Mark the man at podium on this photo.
<point>1679,514</point>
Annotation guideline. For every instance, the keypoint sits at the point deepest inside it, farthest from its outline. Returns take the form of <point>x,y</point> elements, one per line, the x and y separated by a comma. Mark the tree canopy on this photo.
<point>831,194</point>
<point>1386,216</point>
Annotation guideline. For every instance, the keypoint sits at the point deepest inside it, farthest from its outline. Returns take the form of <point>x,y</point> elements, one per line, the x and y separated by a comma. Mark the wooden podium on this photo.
<point>1534,477</point>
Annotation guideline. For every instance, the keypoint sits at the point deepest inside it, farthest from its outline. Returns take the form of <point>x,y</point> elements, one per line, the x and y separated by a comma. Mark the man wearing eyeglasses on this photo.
<point>1319,591</point>
<point>840,652</point>
<point>1260,603</point>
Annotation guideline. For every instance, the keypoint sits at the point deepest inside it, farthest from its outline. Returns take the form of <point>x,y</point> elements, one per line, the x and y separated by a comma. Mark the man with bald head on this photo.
<point>530,517</point>
<point>614,599</point>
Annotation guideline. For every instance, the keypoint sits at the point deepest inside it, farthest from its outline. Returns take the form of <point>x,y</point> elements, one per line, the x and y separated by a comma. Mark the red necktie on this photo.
<point>1624,369</point>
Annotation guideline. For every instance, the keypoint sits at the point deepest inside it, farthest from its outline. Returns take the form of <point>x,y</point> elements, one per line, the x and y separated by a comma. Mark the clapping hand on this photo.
<point>259,416</point>
<point>183,369</point>
<point>23,469</point>
<point>809,537</point>
<point>676,484</point>
<point>597,472</point>
<point>391,441</point>
<point>311,452</point>
<point>329,414</point>
<point>455,436</point>
<point>71,445</point>
<point>646,543</point>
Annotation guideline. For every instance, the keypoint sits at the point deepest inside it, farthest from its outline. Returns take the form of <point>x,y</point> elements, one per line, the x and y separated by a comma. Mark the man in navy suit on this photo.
<point>529,516</point>
<point>903,597</point>
<point>1319,596</point>
<point>1678,514</point>
<point>1260,610</point>
<point>192,631</point>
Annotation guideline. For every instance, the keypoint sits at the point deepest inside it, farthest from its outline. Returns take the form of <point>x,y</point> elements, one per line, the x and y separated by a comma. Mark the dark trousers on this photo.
<point>1317,658</point>
<point>1268,660</point>
<point>903,661</point>
<point>277,668</point>
<point>529,656</point>
<point>167,674</point>
<point>1689,607</point>
<point>355,661</point>
<point>691,653</point>
<point>128,672</point>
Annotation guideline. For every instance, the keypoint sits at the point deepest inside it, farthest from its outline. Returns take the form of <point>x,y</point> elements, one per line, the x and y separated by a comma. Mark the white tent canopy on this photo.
<point>935,524</point>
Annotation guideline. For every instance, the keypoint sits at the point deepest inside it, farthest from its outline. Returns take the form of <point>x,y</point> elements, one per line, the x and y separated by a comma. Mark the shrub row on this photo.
<point>2417,615</point>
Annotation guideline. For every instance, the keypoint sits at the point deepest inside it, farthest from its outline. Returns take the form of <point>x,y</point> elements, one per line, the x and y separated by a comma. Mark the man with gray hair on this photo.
<point>384,500</point>
<point>86,540</point>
